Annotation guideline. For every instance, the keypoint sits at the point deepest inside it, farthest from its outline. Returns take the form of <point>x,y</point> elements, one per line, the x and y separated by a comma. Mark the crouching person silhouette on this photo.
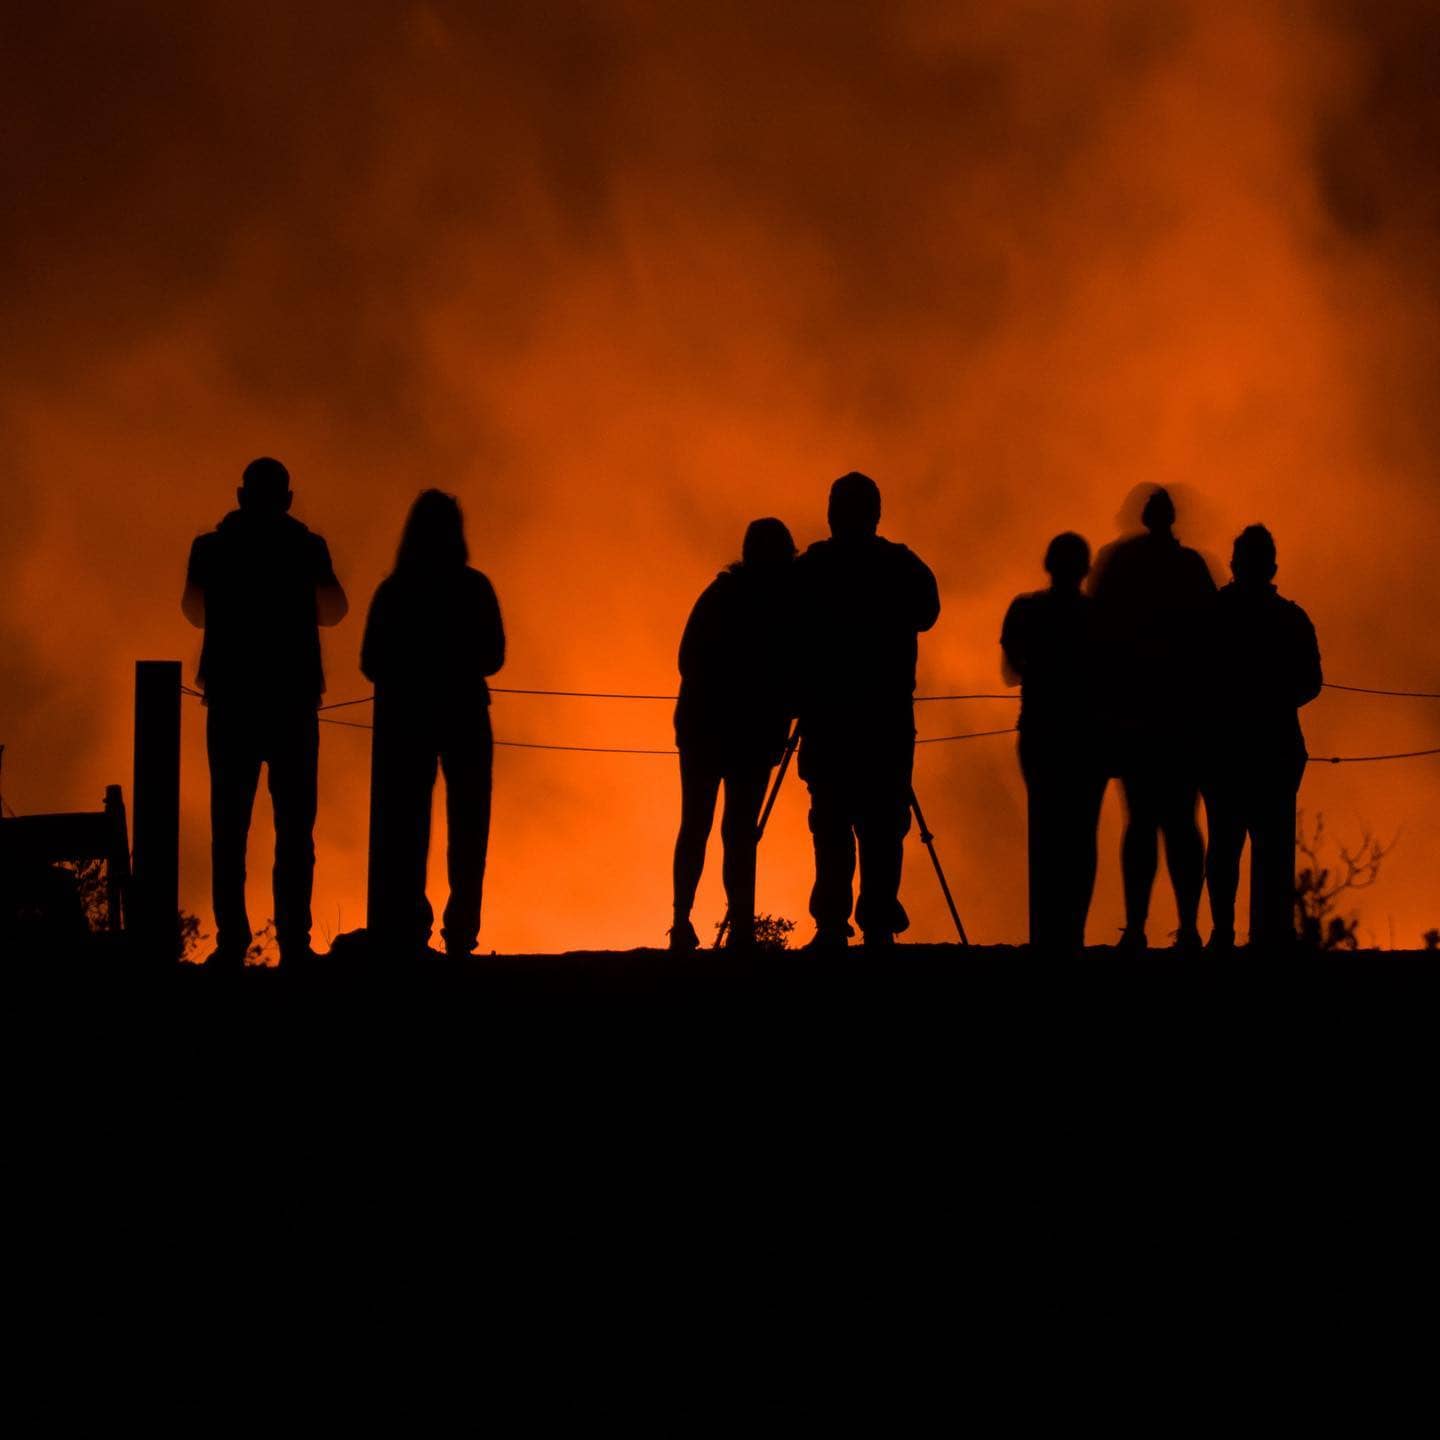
<point>432,636</point>
<point>259,585</point>
<point>1264,665</point>
<point>1049,650</point>
<point>732,719</point>
<point>863,601</point>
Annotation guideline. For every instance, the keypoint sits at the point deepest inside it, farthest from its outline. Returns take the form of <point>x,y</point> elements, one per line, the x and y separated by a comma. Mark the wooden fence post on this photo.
<point>155,796</point>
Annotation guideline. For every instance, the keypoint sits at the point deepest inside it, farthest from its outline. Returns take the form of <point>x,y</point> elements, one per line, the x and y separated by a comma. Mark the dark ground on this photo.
<point>1060,1179</point>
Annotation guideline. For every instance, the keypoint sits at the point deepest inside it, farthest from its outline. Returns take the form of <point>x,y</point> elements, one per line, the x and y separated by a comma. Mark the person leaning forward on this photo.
<point>863,600</point>
<point>259,585</point>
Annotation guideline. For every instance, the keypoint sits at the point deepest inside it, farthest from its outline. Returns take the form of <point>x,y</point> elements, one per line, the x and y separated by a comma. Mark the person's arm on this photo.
<point>373,647</point>
<point>192,601</point>
<point>490,630</point>
<point>697,643</point>
<point>925,597</point>
<point>331,606</point>
<point>1309,677</point>
<point>1012,644</point>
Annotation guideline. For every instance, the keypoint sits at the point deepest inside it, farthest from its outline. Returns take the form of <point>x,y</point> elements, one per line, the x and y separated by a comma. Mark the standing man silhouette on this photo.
<point>1048,645</point>
<point>259,585</point>
<point>432,638</point>
<point>737,661</point>
<point>1264,665</point>
<point>1152,596</point>
<point>863,601</point>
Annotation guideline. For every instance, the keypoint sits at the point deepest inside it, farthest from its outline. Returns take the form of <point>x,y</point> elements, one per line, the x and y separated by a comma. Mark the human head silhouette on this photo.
<point>854,510</point>
<point>434,535</point>
<point>1067,560</point>
<point>768,545</point>
<point>1158,516</point>
<point>1252,560</point>
<point>265,487</point>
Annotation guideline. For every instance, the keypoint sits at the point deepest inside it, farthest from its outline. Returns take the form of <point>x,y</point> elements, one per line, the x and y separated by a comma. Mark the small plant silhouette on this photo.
<point>1432,938</point>
<point>1318,886</point>
<point>264,948</point>
<point>772,932</point>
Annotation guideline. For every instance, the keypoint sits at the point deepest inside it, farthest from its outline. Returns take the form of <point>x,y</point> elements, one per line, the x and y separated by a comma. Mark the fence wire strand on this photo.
<point>920,740</point>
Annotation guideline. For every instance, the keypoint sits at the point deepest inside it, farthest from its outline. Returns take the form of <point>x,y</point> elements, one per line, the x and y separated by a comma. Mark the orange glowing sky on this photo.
<point>624,276</point>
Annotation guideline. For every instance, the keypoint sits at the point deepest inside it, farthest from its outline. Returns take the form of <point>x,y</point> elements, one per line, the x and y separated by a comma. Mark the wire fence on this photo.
<point>920,740</point>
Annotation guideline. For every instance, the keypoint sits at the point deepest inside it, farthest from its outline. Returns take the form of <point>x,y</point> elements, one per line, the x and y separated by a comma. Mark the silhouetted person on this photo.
<point>732,720</point>
<point>432,636</point>
<point>1151,597</point>
<point>259,585</point>
<point>1049,648</point>
<point>1264,664</point>
<point>863,602</point>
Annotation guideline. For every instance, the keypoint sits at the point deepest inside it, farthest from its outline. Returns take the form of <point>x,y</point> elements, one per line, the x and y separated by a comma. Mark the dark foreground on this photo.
<point>993,1163</point>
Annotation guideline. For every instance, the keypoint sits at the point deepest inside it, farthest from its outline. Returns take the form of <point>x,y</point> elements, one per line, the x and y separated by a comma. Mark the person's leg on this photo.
<point>234,754</point>
<point>468,761</point>
<point>699,787</point>
<point>833,835</point>
<point>1184,849</point>
<point>1042,798</point>
<point>1089,797</point>
<point>1226,823</point>
<point>1139,848</point>
<point>1272,864</point>
<point>293,761</point>
<point>744,795</point>
<point>881,826</point>
<point>404,758</point>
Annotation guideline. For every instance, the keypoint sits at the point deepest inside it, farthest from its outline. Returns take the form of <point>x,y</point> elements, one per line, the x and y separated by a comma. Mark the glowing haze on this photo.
<point>624,276</point>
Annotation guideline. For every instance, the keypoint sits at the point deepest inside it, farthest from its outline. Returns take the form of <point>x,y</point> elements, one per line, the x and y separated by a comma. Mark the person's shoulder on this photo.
<point>1198,564</point>
<point>1293,610</point>
<point>1028,600</point>
<point>901,559</point>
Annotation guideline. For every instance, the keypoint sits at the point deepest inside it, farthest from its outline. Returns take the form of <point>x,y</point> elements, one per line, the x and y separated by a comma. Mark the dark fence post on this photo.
<point>154,912</point>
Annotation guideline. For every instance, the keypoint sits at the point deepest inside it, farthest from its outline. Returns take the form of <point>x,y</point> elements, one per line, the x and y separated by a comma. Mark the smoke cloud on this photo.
<point>625,276</point>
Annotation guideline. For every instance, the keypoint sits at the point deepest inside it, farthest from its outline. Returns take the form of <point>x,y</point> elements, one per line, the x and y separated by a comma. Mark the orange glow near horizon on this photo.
<point>623,279</point>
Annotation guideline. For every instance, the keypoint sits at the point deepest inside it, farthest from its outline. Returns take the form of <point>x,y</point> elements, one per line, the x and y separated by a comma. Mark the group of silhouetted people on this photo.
<point>827,640</point>
<point>1154,677</point>
<point>1147,674</point>
<point>260,584</point>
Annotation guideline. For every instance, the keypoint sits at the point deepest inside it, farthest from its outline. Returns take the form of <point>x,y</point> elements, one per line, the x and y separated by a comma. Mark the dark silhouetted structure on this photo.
<point>1152,597</point>
<point>152,912</point>
<point>863,601</point>
<point>1049,648</point>
<point>432,636</point>
<point>731,722</point>
<point>1263,664</point>
<point>260,584</point>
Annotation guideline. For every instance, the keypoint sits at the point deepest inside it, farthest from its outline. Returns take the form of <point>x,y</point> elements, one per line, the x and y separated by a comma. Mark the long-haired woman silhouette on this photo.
<point>736,700</point>
<point>432,636</point>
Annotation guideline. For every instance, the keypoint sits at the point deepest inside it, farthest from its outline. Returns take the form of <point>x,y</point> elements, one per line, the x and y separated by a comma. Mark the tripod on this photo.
<point>927,838</point>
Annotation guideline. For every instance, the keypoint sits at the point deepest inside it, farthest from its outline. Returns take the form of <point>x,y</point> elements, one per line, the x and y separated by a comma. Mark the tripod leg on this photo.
<point>927,839</point>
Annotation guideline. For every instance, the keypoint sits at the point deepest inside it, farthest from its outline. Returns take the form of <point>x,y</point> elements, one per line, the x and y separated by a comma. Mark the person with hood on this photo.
<point>259,585</point>
<point>863,602</point>
<point>1264,664</point>
<point>1152,596</point>
<point>432,637</point>
<point>1048,645</point>
<point>732,721</point>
